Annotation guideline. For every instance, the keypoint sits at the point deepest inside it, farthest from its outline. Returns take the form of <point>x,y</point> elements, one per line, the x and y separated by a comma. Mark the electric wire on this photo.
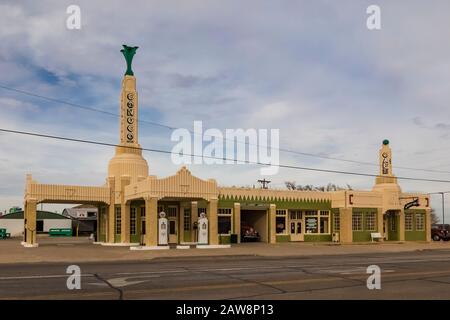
<point>152,123</point>
<point>211,157</point>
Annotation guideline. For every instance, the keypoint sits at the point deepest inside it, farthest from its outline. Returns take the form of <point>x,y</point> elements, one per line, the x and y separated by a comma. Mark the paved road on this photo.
<point>413,275</point>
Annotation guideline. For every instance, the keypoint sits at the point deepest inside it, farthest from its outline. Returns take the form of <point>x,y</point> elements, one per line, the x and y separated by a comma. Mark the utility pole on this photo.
<point>264,183</point>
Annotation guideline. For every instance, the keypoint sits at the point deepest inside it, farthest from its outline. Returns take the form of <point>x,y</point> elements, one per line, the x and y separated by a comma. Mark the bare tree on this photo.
<point>434,217</point>
<point>291,185</point>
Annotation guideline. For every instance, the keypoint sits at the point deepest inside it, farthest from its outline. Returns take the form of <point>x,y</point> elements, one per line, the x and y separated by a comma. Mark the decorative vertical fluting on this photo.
<point>129,112</point>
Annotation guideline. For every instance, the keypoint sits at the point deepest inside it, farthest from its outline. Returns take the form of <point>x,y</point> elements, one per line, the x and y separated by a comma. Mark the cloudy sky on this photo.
<point>309,68</point>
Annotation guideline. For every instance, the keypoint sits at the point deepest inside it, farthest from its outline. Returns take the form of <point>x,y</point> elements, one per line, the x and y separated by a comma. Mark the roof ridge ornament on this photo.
<point>128,53</point>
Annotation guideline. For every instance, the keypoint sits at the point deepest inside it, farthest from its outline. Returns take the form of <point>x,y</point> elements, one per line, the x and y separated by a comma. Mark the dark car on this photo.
<point>249,234</point>
<point>440,232</point>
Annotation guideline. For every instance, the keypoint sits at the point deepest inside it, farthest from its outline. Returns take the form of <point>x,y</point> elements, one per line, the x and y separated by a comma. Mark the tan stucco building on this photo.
<point>130,200</point>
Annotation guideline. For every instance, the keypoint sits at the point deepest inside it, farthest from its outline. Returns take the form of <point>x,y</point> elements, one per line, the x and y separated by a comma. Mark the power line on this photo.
<point>211,157</point>
<point>223,138</point>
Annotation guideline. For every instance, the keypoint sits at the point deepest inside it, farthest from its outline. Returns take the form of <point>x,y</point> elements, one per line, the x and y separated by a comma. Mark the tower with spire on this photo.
<point>128,162</point>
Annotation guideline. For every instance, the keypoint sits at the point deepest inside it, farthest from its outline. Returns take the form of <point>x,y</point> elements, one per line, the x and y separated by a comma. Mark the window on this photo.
<point>224,224</point>
<point>324,224</point>
<point>102,220</point>
<point>295,214</point>
<point>132,220</point>
<point>311,224</point>
<point>224,211</point>
<point>142,220</point>
<point>312,221</point>
<point>324,221</point>
<point>118,221</point>
<point>280,221</point>
<point>187,219</point>
<point>357,219</point>
<point>317,221</point>
<point>408,222</point>
<point>91,214</point>
<point>201,210</point>
<point>371,219</point>
<point>336,222</point>
<point>171,212</point>
<point>420,222</point>
<point>224,220</point>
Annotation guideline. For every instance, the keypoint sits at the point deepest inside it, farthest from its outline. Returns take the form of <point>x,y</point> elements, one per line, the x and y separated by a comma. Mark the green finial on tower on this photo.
<point>128,53</point>
<point>385,142</point>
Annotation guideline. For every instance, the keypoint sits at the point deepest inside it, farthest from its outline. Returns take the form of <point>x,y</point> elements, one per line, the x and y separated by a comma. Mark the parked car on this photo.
<point>249,234</point>
<point>440,232</point>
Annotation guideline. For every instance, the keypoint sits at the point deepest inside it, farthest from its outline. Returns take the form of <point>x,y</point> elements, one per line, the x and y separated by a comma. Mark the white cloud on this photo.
<point>311,69</point>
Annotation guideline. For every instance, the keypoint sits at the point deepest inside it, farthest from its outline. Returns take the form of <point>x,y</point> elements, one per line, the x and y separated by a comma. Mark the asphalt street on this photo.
<point>422,274</point>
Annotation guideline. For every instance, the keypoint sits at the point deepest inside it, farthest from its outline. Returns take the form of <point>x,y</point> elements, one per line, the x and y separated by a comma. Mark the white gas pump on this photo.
<point>162,229</point>
<point>202,229</point>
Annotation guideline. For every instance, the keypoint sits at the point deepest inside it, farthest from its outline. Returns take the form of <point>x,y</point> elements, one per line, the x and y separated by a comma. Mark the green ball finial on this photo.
<point>385,142</point>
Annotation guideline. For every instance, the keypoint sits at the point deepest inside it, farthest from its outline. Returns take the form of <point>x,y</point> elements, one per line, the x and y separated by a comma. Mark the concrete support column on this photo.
<point>401,225</point>
<point>181,225</point>
<point>194,218</point>
<point>111,223</point>
<point>124,211</point>
<point>30,223</point>
<point>111,216</point>
<point>99,221</point>
<point>211,211</point>
<point>428,224</point>
<point>346,233</point>
<point>151,221</point>
<point>272,223</point>
<point>125,223</point>
<point>237,220</point>
<point>24,222</point>
<point>380,223</point>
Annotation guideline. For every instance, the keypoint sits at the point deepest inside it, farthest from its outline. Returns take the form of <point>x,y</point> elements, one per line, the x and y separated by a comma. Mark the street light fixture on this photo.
<point>442,193</point>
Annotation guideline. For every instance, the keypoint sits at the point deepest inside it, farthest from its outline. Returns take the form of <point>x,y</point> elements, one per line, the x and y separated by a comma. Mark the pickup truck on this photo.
<point>440,232</point>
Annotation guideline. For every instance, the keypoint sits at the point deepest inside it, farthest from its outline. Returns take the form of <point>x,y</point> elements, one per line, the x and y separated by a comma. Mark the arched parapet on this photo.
<point>181,185</point>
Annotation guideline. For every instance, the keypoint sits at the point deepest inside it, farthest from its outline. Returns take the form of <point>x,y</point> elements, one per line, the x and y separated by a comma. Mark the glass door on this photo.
<point>172,217</point>
<point>296,225</point>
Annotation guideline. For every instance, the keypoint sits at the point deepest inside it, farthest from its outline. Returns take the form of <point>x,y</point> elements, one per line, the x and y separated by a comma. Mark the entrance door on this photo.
<point>39,226</point>
<point>393,226</point>
<point>296,225</point>
<point>172,216</point>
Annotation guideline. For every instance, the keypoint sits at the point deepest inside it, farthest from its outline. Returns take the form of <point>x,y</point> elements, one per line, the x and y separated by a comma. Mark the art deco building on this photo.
<point>130,200</point>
